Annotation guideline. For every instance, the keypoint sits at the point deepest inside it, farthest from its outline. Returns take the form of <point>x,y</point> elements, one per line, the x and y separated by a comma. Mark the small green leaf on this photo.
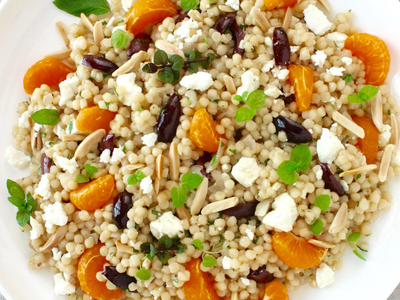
<point>150,68</point>
<point>18,202</point>
<point>181,248</point>
<point>155,212</point>
<point>31,202</point>
<point>209,261</point>
<point>323,202</point>
<point>189,4</point>
<point>211,56</point>
<point>80,178</point>
<point>190,181</point>
<point>90,170</point>
<point>317,226</point>
<point>358,254</point>
<point>178,196</point>
<point>163,256</point>
<point>232,150</point>
<point>176,61</point>
<point>190,55</point>
<point>15,190</point>
<point>354,98</point>
<point>368,92</point>
<point>244,96</point>
<point>287,173</point>
<point>238,98</point>
<point>214,160</point>
<point>143,274</point>
<point>193,68</point>
<point>76,7</point>
<point>353,237</point>
<point>46,117</point>
<point>152,251</point>
<point>165,242</point>
<point>256,99</point>
<point>70,127</point>
<point>198,244</point>
<point>23,217</point>
<point>301,155</point>
<point>166,75</point>
<point>160,57</point>
<point>177,76</point>
<point>119,38</point>
<point>348,78</point>
<point>244,114</point>
<point>136,177</point>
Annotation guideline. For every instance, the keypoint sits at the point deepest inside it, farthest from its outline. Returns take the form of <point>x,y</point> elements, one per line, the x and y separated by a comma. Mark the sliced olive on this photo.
<point>99,63</point>
<point>122,204</point>
<point>168,120</point>
<point>261,275</point>
<point>121,280</point>
<point>241,211</point>
<point>141,42</point>
<point>295,132</point>
<point>224,22</point>
<point>281,47</point>
<point>45,164</point>
<point>331,183</point>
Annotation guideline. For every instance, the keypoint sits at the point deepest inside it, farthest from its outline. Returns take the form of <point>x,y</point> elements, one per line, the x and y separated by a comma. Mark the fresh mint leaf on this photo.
<point>18,202</point>
<point>348,78</point>
<point>244,114</point>
<point>256,99</point>
<point>238,98</point>
<point>46,117</point>
<point>80,178</point>
<point>119,38</point>
<point>163,256</point>
<point>176,61</point>
<point>358,254</point>
<point>198,244</point>
<point>90,170</point>
<point>301,155</point>
<point>136,177</point>
<point>76,7</point>
<point>178,196</point>
<point>354,98</point>
<point>190,181</point>
<point>165,242</point>
<point>353,237</point>
<point>287,172</point>
<point>209,261</point>
<point>323,202</point>
<point>70,127</point>
<point>160,57</point>
<point>368,92</point>
<point>31,202</point>
<point>181,248</point>
<point>23,217</point>
<point>143,274</point>
<point>166,75</point>
<point>317,226</point>
<point>189,4</point>
<point>15,190</point>
<point>150,68</point>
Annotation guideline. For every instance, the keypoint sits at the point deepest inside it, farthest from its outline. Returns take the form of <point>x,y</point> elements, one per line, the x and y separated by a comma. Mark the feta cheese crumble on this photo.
<point>281,74</point>
<point>262,209</point>
<point>226,262</point>
<point>325,275</point>
<point>338,38</point>
<point>316,20</point>
<point>68,90</point>
<point>168,225</point>
<point>68,165</point>
<point>150,139</point>
<point>319,58</point>
<point>61,286</point>
<point>37,229</point>
<point>268,66</point>
<point>128,83</point>
<point>54,214</point>
<point>23,120</point>
<point>118,155</point>
<point>272,91</point>
<point>43,188</point>
<point>201,81</point>
<point>245,281</point>
<point>250,83</point>
<point>328,146</point>
<point>386,133</point>
<point>284,213</point>
<point>187,33</point>
<point>105,156</point>
<point>233,3</point>
<point>318,172</point>
<point>56,254</point>
<point>336,71</point>
<point>146,185</point>
<point>17,158</point>
<point>246,171</point>
<point>347,60</point>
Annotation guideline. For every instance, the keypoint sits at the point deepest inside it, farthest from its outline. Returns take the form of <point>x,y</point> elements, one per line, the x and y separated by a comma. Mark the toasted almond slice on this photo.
<point>395,128</point>
<point>234,296</point>
<point>146,264</point>
<point>225,8</point>
<point>377,112</point>
<point>200,197</point>
<point>326,5</point>
<point>340,220</point>
<point>98,34</point>
<point>174,162</point>
<point>183,213</point>
<point>56,238</point>
<point>72,137</point>
<point>132,64</point>
<point>124,248</point>
<point>219,205</point>
<point>88,143</point>
<point>348,124</point>
<point>36,140</point>
<point>288,19</point>
<point>321,244</point>
<point>168,48</point>
<point>230,84</point>
<point>134,167</point>
<point>385,162</point>
<point>260,19</point>
<point>86,22</point>
<point>360,170</point>
<point>63,54</point>
<point>159,166</point>
<point>63,32</point>
<point>157,183</point>
<point>195,15</point>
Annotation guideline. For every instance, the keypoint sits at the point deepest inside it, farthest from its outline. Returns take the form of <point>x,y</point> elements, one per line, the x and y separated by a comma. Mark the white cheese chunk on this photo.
<point>284,214</point>
<point>23,120</point>
<point>319,58</point>
<point>318,172</point>
<point>281,74</point>
<point>54,214</point>
<point>268,41</point>
<point>344,185</point>
<point>105,156</point>
<point>146,185</point>
<point>118,155</point>
<point>168,225</point>
<point>200,81</point>
<point>386,133</point>
<point>268,66</point>
<point>128,83</point>
<point>150,139</point>
<point>245,281</point>
<point>316,20</point>
<point>17,158</point>
<point>37,229</point>
<point>68,165</point>
<point>325,275</point>
<point>250,83</point>
<point>233,3</point>
<point>226,262</point>
<point>188,32</point>
<point>127,4</point>
<point>61,286</point>
<point>336,71</point>
<point>246,171</point>
<point>328,146</point>
<point>68,90</point>
<point>44,189</point>
<point>294,49</point>
<point>347,60</point>
<point>56,254</point>
<point>338,38</point>
<point>272,91</point>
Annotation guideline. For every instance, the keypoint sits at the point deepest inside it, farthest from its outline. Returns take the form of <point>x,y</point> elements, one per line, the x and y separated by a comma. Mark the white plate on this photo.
<point>27,32</point>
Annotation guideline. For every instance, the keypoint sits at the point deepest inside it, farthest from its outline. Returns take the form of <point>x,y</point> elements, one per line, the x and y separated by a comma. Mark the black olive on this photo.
<point>168,120</point>
<point>224,22</point>
<point>121,280</point>
<point>140,42</point>
<point>99,63</point>
<point>331,183</point>
<point>261,275</point>
<point>295,132</point>
<point>122,204</point>
<point>241,211</point>
<point>107,143</point>
<point>281,47</point>
<point>45,164</point>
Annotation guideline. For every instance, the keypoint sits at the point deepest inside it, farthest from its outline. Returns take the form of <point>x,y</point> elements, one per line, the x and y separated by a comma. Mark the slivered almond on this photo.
<point>63,54</point>
<point>132,64</point>
<point>173,162</point>
<point>326,5</point>
<point>72,137</point>
<point>134,167</point>
<point>377,112</point>
<point>225,8</point>
<point>234,296</point>
<point>168,48</point>
<point>360,170</point>
<point>124,248</point>
<point>196,15</point>
<point>159,165</point>
<point>89,143</point>
<point>86,22</point>
<point>395,129</point>
<point>340,220</point>
<point>98,34</point>
<point>288,19</point>
<point>219,205</point>
<point>348,124</point>
<point>260,19</point>
<point>56,238</point>
<point>183,213</point>
<point>385,162</point>
<point>200,197</point>
<point>157,183</point>
<point>321,244</point>
<point>63,32</point>
<point>230,84</point>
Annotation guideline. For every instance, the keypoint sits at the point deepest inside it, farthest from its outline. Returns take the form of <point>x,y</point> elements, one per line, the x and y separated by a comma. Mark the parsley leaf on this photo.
<point>136,177</point>
<point>76,7</point>
<point>119,38</point>
<point>323,202</point>
<point>189,4</point>
<point>46,117</point>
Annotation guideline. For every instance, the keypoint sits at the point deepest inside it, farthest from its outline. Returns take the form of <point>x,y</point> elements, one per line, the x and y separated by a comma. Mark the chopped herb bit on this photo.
<point>106,75</point>
<point>358,176</point>
<point>119,22</point>
<point>107,104</point>
<point>348,78</point>
<point>355,251</point>
<point>323,202</point>
<point>209,261</point>
<point>143,274</point>
<point>136,177</point>
<point>389,112</point>
<point>232,150</point>
<point>155,212</point>
<point>103,23</point>
<point>300,160</point>
<point>69,128</point>
<point>124,148</point>
<point>215,100</point>
<point>206,41</point>
<point>345,139</point>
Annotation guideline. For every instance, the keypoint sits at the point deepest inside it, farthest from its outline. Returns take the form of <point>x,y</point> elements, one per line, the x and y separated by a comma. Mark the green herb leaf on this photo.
<point>301,155</point>
<point>166,75</point>
<point>181,248</point>
<point>119,38</point>
<point>80,178</point>
<point>232,150</point>
<point>256,99</point>
<point>190,55</point>
<point>23,217</point>
<point>287,172</point>
<point>189,4</point>
<point>209,261</point>
<point>15,190</point>
<point>70,127</point>
<point>18,202</point>
<point>244,114</point>
<point>193,68</point>
<point>163,256</point>
<point>368,92</point>
<point>155,212</point>
<point>389,112</point>
<point>160,57</point>
<point>358,254</point>
<point>31,202</point>
<point>317,226</point>
<point>90,170</point>
<point>136,177</point>
<point>323,202</point>
<point>46,117</point>
<point>348,78</point>
<point>353,237</point>
<point>238,98</point>
<point>150,68</point>
<point>165,242</point>
<point>178,196</point>
<point>354,98</point>
<point>198,244</point>
<point>214,160</point>
<point>176,61</point>
<point>190,181</point>
<point>76,7</point>
<point>143,274</point>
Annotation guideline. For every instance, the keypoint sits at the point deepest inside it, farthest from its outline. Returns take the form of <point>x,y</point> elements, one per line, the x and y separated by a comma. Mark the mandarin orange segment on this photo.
<point>147,12</point>
<point>203,131</point>
<point>93,195</point>
<point>48,71</point>
<point>90,119</point>
<point>302,80</point>
<point>199,286</point>
<point>272,4</point>
<point>90,263</point>
<point>275,290</point>
<point>296,252</point>
<point>369,144</point>
<point>374,54</point>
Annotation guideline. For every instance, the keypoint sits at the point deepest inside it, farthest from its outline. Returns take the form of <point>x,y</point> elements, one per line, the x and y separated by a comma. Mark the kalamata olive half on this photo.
<point>182,17</point>
<point>224,22</point>
<point>168,120</point>
<point>140,42</point>
<point>121,280</point>
<point>122,204</point>
<point>238,35</point>
<point>295,132</point>
<point>107,143</point>
<point>45,164</point>
<point>287,99</point>
<point>99,63</point>
<point>206,157</point>
<point>281,47</point>
<point>331,183</point>
<point>261,275</point>
<point>241,211</point>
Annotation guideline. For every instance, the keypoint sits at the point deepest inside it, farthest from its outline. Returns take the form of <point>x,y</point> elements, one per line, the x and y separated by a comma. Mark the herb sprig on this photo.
<point>162,252</point>
<point>25,205</point>
<point>367,93</point>
<point>76,7</point>
<point>189,4</point>
<point>353,238</point>
<point>190,181</point>
<point>136,177</point>
<point>254,101</point>
<point>119,38</point>
<point>90,172</point>
<point>208,260</point>
<point>300,160</point>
